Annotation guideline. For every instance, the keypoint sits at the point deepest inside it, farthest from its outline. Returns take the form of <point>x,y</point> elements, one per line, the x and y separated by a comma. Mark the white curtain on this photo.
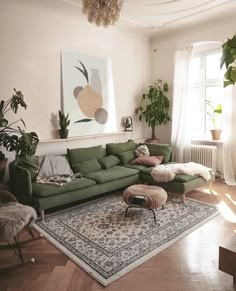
<point>181,111</point>
<point>229,138</point>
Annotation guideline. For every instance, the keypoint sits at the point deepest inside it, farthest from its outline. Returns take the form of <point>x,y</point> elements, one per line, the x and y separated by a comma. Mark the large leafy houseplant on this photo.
<point>229,60</point>
<point>15,139</point>
<point>155,105</point>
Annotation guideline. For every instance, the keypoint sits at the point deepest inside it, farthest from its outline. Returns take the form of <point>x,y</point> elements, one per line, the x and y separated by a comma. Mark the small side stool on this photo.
<point>155,197</point>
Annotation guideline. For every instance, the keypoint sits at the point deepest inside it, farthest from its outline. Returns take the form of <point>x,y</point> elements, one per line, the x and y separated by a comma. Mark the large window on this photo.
<point>207,92</point>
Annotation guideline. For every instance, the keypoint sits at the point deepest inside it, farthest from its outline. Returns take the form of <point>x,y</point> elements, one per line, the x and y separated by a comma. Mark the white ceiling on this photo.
<point>161,14</point>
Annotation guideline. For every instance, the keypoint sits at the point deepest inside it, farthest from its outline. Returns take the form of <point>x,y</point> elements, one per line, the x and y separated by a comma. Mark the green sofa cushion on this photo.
<point>43,190</point>
<point>31,164</point>
<point>127,157</point>
<point>83,154</point>
<point>116,148</point>
<point>160,150</point>
<point>109,162</point>
<point>86,167</point>
<point>111,174</point>
<point>137,167</point>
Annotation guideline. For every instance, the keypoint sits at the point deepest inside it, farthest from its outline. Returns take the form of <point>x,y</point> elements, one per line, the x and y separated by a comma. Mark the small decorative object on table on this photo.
<point>145,196</point>
<point>128,123</point>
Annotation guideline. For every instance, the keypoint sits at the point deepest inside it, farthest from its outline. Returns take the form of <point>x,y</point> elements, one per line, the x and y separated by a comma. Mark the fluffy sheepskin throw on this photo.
<point>13,218</point>
<point>166,173</point>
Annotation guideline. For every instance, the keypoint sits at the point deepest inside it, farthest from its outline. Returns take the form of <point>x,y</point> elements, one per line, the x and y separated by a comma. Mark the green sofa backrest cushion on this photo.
<point>83,154</point>
<point>29,163</point>
<point>109,162</point>
<point>86,167</point>
<point>160,150</point>
<point>127,157</point>
<point>116,148</point>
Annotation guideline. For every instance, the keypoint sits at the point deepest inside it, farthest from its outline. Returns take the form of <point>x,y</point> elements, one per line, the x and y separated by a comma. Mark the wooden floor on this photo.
<point>189,264</point>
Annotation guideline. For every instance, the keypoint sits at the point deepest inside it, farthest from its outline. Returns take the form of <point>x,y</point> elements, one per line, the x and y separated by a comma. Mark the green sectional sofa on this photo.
<point>103,170</point>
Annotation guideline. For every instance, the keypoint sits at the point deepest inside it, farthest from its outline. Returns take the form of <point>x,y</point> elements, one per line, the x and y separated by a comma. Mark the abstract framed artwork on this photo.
<point>88,94</point>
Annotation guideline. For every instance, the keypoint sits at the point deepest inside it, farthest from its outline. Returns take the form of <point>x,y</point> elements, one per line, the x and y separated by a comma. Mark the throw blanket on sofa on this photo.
<point>55,170</point>
<point>58,180</point>
<point>166,173</point>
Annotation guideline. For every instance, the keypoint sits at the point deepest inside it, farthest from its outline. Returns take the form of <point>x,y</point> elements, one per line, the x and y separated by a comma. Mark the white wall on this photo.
<point>32,35</point>
<point>162,57</point>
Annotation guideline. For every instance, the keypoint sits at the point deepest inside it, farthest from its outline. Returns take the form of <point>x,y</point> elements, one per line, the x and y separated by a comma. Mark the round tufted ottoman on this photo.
<point>144,196</point>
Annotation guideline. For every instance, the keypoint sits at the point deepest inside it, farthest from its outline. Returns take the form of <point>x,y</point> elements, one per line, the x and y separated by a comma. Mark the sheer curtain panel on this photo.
<point>181,112</point>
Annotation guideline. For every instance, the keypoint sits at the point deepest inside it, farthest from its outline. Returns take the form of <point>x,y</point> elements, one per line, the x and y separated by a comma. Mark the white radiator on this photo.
<point>205,155</point>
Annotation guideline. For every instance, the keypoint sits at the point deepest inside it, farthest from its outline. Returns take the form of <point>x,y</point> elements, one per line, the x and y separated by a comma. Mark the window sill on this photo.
<point>206,141</point>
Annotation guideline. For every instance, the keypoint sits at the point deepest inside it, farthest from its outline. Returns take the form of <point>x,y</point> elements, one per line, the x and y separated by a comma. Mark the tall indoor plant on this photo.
<point>155,105</point>
<point>229,60</point>
<point>14,139</point>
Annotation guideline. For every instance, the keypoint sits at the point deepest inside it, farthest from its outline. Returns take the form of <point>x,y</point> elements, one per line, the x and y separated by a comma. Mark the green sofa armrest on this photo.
<point>20,183</point>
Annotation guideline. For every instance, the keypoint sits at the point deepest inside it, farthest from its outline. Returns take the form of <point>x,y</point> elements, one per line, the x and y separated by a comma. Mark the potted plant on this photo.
<point>155,106</point>
<point>213,114</point>
<point>229,60</point>
<point>64,122</point>
<point>14,139</point>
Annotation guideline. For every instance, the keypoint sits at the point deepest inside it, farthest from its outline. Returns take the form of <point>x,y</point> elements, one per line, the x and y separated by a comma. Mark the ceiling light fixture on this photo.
<point>102,12</point>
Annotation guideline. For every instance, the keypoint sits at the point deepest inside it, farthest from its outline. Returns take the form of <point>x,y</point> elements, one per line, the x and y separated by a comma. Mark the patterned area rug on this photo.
<point>107,245</point>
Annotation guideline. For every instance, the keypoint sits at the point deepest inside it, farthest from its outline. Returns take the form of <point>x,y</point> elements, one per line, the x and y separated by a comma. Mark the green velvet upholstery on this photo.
<point>43,190</point>
<point>20,183</point>
<point>86,167</point>
<point>101,174</point>
<point>111,174</point>
<point>176,187</point>
<point>109,162</point>
<point>127,156</point>
<point>137,167</point>
<point>31,164</point>
<point>83,154</point>
<point>160,150</point>
<point>68,197</point>
<point>116,148</point>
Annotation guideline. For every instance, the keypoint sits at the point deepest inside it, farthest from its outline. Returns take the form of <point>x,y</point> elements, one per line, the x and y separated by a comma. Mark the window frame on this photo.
<point>203,83</point>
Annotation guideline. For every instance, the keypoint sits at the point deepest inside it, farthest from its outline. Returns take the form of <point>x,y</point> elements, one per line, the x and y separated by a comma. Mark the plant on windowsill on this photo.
<point>154,109</point>
<point>12,139</point>
<point>213,114</point>
<point>229,60</point>
<point>64,122</point>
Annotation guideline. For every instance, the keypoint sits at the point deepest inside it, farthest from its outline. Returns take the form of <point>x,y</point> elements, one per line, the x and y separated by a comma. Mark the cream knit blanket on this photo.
<point>166,173</point>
